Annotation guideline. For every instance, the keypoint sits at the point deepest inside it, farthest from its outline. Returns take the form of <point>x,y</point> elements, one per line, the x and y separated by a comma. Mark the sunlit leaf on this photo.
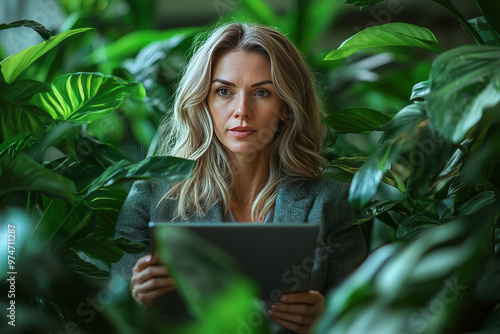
<point>17,114</point>
<point>14,65</point>
<point>464,82</point>
<point>356,120</point>
<point>391,34</point>
<point>83,97</point>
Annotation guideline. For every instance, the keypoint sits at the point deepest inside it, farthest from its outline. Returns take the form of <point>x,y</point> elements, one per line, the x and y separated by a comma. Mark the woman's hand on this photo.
<point>298,311</point>
<point>150,279</point>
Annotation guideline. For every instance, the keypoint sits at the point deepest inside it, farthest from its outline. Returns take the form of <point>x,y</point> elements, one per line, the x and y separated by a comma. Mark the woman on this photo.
<point>246,111</point>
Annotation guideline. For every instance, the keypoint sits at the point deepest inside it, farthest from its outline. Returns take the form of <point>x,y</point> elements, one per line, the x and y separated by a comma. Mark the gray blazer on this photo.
<point>323,202</point>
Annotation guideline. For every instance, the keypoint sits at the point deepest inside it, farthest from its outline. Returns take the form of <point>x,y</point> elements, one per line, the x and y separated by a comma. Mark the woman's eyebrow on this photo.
<point>262,83</point>
<point>229,83</point>
<point>224,82</point>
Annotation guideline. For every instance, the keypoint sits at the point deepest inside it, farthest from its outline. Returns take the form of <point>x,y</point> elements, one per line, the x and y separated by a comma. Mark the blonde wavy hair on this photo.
<point>295,150</point>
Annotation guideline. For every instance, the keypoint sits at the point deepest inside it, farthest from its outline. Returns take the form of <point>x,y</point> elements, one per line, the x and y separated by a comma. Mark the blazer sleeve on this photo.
<point>345,242</point>
<point>132,224</point>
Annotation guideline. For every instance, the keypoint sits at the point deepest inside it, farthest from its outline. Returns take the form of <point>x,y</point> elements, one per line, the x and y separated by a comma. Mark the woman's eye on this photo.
<point>262,93</point>
<point>223,91</point>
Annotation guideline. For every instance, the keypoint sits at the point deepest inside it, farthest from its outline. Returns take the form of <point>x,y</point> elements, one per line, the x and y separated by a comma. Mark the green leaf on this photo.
<point>463,82</point>
<point>483,29</point>
<point>490,10</point>
<point>24,173</point>
<point>17,114</point>
<point>362,4</point>
<point>169,169</point>
<point>37,27</point>
<point>356,120</point>
<point>391,34</point>
<point>420,91</point>
<point>405,120</point>
<point>471,207</point>
<point>366,181</point>
<point>83,97</point>
<point>128,246</point>
<point>14,65</point>
<point>414,226</point>
<point>355,291</point>
<point>103,249</point>
<point>377,209</point>
<point>348,164</point>
<point>450,7</point>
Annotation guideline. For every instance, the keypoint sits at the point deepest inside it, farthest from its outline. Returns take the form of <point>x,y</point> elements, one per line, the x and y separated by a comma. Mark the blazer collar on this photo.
<point>293,203</point>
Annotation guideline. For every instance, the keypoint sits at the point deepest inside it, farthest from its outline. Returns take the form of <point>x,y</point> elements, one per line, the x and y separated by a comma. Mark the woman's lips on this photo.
<point>242,131</point>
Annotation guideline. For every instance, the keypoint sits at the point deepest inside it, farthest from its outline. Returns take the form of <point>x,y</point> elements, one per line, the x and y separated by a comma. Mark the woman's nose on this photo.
<point>243,109</point>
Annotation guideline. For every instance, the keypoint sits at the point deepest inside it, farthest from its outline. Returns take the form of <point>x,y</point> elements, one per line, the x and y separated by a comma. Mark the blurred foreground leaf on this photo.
<point>210,282</point>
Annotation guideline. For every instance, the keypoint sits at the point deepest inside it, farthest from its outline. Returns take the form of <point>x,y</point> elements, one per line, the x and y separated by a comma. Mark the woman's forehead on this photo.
<point>235,65</point>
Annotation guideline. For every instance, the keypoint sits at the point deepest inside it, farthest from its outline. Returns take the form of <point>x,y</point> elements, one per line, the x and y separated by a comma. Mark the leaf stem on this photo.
<point>448,5</point>
<point>63,222</point>
<point>39,221</point>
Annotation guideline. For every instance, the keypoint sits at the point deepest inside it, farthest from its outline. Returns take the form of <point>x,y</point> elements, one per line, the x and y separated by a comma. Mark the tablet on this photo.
<point>278,257</point>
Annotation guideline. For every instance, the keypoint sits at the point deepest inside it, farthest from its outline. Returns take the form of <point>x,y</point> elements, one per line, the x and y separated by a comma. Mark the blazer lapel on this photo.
<point>293,203</point>
<point>213,216</point>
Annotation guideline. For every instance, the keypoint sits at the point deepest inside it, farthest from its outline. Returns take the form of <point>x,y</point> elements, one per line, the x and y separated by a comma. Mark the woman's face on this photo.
<point>243,101</point>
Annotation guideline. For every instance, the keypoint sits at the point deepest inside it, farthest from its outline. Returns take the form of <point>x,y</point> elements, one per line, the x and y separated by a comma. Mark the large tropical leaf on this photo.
<point>356,120</point>
<point>17,114</point>
<point>14,65</point>
<point>463,83</point>
<point>391,34</point>
<point>24,173</point>
<point>388,292</point>
<point>170,169</point>
<point>83,97</point>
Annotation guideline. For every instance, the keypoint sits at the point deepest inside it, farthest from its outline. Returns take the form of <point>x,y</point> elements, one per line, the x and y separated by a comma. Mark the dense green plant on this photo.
<point>65,180</point>
<point>440,153</point>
